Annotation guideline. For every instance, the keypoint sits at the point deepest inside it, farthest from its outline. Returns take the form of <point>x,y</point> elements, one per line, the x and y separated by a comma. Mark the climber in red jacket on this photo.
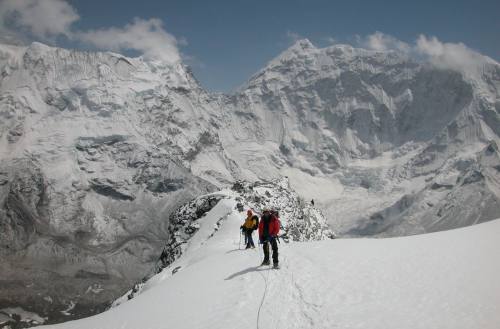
<point>269,227</point>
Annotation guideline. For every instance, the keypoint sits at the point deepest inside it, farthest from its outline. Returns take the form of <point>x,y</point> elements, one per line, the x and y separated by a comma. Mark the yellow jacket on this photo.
<point>249,223</point>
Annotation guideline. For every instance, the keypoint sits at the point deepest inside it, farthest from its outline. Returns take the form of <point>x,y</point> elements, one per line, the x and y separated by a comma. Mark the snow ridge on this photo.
<point>300,221</point>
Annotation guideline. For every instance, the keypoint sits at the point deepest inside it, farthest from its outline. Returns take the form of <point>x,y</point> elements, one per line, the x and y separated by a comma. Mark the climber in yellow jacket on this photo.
<point>251,223</point>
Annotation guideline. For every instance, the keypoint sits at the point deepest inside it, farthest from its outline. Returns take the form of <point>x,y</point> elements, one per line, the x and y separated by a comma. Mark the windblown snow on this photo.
<point>439,280</point>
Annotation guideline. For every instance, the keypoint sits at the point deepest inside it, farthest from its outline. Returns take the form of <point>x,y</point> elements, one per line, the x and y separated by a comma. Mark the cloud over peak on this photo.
<point>146,36</point>
<point>383,42</point>
<point>454,56</point>
<point>46,20</point>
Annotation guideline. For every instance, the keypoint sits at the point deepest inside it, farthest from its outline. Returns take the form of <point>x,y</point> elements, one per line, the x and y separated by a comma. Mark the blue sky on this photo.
<point>225,42</point>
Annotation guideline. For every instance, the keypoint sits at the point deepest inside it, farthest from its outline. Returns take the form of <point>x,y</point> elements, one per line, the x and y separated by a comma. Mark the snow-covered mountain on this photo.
<point>93,150</point>
<point>98,150</point>
<point>395,139</point>
<point>440,280</point>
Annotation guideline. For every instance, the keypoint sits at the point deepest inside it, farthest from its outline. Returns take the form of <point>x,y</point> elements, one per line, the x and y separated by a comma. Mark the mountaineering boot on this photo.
<point>265,262</point>
<point>276,265</point>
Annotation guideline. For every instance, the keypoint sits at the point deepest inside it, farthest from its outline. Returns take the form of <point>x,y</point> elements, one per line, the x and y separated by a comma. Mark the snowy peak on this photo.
<point>381,124</point>
<point>58,67</point>
<point>303,64</point>
<point>299,49</point>
<point>302,45</point>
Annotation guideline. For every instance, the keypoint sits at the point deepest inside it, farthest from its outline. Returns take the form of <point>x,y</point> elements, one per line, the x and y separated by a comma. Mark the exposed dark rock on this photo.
<point>166,185</point>
<point>238,186</point>
<point>15,133</point>
<point>473,177</point>
<point>436,186</point>
<point>23,206</point>
<point>110,189</point>
<point>284,149</point>
<point>92,142</point>
<point>92,275</point>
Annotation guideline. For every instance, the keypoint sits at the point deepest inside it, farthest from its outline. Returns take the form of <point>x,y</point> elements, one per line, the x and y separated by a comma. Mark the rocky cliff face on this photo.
<point>97,150</point>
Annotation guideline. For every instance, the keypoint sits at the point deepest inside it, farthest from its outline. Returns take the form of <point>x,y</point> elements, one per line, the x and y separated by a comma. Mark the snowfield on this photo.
<point>449,279</point>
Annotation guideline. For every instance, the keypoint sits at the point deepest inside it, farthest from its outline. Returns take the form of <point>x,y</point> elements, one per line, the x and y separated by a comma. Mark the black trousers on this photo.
<point>248,238</point>
<point>274,246</point>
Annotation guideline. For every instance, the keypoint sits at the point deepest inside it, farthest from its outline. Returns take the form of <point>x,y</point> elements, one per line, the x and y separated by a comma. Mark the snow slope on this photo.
<point>439,280</point>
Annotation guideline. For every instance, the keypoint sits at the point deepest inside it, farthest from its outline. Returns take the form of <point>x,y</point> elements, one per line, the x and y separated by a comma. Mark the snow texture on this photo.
<point>439,280</point>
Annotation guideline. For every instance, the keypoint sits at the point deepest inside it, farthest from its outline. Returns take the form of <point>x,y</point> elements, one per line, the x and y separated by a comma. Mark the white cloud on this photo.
<point>44,19</point>
<point>382,42</point>
<point>146,36</point>
<point>455,56</point>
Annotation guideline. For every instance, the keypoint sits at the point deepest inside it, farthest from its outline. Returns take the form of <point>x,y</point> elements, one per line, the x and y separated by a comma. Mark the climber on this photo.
<point>248,227</point>
<point>269,228</point>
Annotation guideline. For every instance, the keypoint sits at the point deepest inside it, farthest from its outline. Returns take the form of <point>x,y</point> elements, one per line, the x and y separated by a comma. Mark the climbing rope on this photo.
<point>266,278</point>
